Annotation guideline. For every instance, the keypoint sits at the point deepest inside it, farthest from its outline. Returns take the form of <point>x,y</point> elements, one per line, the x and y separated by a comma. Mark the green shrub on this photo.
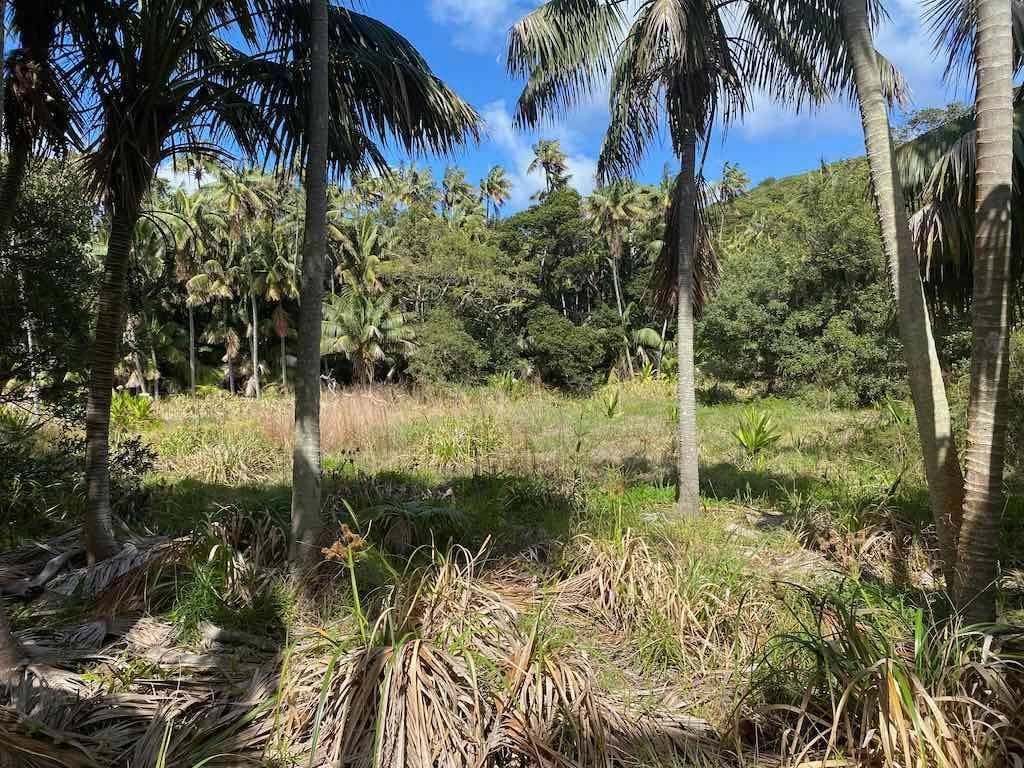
<point>566,355</point>
<point>756,431</point>
<point>130,412</point>
<point>446,352</point>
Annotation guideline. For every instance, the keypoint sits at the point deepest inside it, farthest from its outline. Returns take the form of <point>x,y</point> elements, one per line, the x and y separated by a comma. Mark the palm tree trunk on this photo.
<point>986,430</point>
<point>689,472</point>
<point>99,530</point>
<point>10,189</point>
<point>156,376</point>
<point>616,254</point>
<point>255,346</point>
<point>942,466</point>
<point>231,376</point>
<point>192,350</point>
<point>306,457</point>
<point>284,367</point>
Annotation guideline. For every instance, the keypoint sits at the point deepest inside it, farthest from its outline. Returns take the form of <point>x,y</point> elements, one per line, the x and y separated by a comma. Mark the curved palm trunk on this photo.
<point>98,530</point>
<point>986,435</point>
<point>689,471</point>
<point>306,457</point>
<point>255,346</point>
<point>942,466</point>
<point>191,350</point>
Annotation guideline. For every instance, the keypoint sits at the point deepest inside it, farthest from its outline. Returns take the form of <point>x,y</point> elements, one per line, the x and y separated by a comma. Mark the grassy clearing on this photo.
<point>504,583</point>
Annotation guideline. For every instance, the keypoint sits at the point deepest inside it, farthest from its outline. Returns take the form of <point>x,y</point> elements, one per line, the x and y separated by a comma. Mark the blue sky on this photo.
<point>464,42</point>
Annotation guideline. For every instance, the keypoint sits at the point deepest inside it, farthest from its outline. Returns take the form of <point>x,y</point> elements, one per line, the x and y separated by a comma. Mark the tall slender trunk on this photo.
<point>990,354</point>
<point>156,375</point>
<point>231,376</point>
<point>100,542</point>
<point>689,471</point>
<point>306,458</point>
<point>255,346</point>
<point>615,246</point>
<point>10,188</point>
<point>191,350</point>
<point>942,466</point>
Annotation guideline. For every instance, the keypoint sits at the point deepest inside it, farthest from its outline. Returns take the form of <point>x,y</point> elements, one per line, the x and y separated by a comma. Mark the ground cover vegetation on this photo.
<point>309,460</point>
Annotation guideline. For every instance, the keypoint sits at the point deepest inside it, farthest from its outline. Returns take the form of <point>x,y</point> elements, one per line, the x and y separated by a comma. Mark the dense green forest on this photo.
<point>459,294</point>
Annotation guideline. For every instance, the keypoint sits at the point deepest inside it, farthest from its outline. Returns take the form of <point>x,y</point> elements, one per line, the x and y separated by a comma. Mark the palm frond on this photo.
<point>565,49</point>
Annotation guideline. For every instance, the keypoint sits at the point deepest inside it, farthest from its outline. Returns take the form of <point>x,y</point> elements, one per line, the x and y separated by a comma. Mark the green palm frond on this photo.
<point>382,91</point>
<point>565,49</point>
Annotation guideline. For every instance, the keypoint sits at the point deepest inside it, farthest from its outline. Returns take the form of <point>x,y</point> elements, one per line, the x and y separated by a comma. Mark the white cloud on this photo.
<point>481,24</point>
<point>904,40</point>
<point>516,150</point>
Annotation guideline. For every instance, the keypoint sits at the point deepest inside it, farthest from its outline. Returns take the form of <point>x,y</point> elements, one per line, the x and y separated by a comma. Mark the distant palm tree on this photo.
<point>680,58</point>
<point>221,330</point>
<point>496,188</point>
<point>549,158</point>
<point>456,192</point>
<point>366,328</point>
<point>194,224</point>
<point>364,246</point>
<point>612,212</point>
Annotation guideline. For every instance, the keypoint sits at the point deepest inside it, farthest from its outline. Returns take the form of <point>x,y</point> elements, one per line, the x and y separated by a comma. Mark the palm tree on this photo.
<point>496,188</point>
<point>734,183</point>
<point>549,158</point>
<point>364,246</point>
<point>378,88</point>
<point>160,75</point>
<point>221,330</point>
<point>366,328</point>
<point>612,211</point>
<point>195,224</point>
<point>679,57</point>
<point>945,480</point>
<point>987,40</point>
<point>455,192</point>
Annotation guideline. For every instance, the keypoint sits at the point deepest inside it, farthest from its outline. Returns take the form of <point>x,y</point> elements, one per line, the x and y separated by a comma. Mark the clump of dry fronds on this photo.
<point>408,704</point>
<point>251,546</point>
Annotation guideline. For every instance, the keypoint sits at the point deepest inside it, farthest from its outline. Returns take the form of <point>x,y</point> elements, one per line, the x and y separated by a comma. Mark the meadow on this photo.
<point>503,579</point>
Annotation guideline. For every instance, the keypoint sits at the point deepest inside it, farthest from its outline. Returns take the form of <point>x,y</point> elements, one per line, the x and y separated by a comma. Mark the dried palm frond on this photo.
<point>28,562</point>
<point>458,606</point>
<point>555,714</point>
<point>250,546</point>
<point>137,556</point>
<point>28,743</point>
<point>406,705</point>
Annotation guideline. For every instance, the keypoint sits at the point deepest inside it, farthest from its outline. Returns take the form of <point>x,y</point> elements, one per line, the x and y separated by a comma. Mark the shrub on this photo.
<point>566,355</point>
<point>130,412</point>
<point>445,351</point>
<point>756,431</point>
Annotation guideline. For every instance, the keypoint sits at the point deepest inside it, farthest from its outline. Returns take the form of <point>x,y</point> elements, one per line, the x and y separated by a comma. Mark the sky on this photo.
<point>464,42</point>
